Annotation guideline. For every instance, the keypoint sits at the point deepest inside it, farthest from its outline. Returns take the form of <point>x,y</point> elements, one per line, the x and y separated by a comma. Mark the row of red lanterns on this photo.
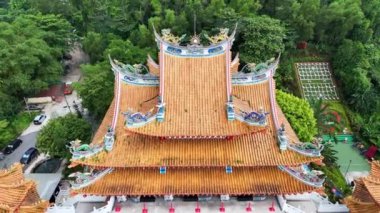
<point>198,209</point>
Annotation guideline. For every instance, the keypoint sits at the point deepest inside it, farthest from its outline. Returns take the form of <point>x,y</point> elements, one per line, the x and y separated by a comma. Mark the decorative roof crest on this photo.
<point>169,37</point>
<point>223,35</point>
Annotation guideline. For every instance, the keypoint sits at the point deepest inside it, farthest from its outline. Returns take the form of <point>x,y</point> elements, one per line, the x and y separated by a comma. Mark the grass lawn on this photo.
<point>12,128</point>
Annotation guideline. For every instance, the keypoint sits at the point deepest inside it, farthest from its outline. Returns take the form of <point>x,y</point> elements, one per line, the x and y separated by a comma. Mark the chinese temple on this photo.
<point>18,194</point>
<point>366,195</point>
<point>194,124</point>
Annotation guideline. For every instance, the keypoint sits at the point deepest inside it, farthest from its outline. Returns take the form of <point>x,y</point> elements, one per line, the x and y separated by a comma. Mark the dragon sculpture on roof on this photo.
<point>223,35</point>
<point>169,37</point>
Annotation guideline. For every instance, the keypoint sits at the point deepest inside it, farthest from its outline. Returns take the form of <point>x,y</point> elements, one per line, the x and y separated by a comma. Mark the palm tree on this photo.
<point>319,108</point>
<point>371,129</point>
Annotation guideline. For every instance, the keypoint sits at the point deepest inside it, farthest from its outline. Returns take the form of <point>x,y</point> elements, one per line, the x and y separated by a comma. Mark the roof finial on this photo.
<point>195,24</point>
<point>195,40</point>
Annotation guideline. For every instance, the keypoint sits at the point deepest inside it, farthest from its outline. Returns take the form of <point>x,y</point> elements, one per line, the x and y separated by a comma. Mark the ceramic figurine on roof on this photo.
<point>194,125</point>
<point>222,36</point>
<point>169,37</point>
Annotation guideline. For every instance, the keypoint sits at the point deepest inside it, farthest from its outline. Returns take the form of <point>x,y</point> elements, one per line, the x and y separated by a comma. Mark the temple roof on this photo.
<point>357,206</point>
<point>17,193</point>
<point>195,98</point>
<point>207,181</point>
<point>366,195</point>
<point>135,150</point>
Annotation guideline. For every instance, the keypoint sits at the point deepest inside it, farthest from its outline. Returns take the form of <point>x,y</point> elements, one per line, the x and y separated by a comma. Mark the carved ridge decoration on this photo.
<point>171,44</point>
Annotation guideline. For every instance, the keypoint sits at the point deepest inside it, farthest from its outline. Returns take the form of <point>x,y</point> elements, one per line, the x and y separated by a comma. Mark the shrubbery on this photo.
<point>299,114</point>
<point>56,135</point>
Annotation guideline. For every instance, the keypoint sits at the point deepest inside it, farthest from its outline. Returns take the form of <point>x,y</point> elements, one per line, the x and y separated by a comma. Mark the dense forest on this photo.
<point>36,34</point>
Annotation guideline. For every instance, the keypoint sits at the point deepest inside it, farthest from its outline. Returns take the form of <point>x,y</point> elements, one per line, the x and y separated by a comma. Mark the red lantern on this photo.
<point>272,209</point>
<point>222,209</point>
<point>249,208</point>
<point>197,209</point>
<point>144,210</point>
<point>171,209</point>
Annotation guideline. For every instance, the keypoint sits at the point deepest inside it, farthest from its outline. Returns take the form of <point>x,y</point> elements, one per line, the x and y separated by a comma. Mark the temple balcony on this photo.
<point>253,74</point>
<point>88,178</point>
<point>136,74</point>
<point>304,174</point>
<point>80,151</point>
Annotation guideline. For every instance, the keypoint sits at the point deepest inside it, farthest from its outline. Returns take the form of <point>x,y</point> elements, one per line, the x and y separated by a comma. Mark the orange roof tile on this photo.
<point>195,98</point>
<point>366,196</point>
<point>131,150</point>
<point>208,181</point>
<point>357,206</point>
<point>258,149</point>
<point>17,193</point>
<point>361,193</point>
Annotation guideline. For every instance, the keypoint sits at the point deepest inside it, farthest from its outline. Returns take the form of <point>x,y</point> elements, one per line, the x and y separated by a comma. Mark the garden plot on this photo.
<point>316,80</point>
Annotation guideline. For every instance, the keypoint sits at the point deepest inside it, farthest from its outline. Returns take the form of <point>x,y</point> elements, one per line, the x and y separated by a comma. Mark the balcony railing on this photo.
<point>86,179</point>
<point>305,175</point>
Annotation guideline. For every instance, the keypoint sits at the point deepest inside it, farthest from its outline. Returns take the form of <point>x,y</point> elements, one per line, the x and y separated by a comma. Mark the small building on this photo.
<point>18,194</point>
<point>366,195</point>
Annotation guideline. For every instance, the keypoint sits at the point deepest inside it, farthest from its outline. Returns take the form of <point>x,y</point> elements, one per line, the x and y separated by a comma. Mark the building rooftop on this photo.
<point>366,195</point>
<point>185,181</point>
<point>18,194</point>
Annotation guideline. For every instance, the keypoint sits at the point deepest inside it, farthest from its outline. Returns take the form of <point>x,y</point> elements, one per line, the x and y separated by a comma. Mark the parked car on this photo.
<point>68,89</point>
<point>34,107</point>
<point>12,146</point>
<point>29,155</point>
<point>39,119</point>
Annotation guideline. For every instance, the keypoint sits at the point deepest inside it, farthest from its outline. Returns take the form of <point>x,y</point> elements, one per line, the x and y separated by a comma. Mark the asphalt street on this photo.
<point>29,140</point>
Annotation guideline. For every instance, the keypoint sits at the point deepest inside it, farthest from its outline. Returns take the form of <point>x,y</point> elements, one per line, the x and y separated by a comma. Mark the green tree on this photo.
<point>96,89</point>
<point>54,137</point>
<point>27,62</point>
<point>94,45</point>
<point>319,109</point>
<point>125,51</point>
<point>299,114</point>
<point>261,39</point>
<point>337,19</point>
<point>329,155</point>
<point>300,15</point>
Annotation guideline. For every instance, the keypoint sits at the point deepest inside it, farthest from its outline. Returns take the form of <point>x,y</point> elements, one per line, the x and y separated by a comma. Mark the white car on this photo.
<point>39,119</point>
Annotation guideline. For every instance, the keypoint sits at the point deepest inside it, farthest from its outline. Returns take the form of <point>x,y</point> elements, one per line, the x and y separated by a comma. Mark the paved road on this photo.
<point>52,110</point>
<point>29,140</point>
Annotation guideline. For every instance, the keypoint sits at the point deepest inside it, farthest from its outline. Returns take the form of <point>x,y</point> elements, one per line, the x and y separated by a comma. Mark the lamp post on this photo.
<point>348,167</point>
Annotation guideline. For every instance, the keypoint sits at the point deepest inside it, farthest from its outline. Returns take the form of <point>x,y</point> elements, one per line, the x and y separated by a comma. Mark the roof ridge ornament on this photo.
<point>169,37</point>
<point>222,36</point>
